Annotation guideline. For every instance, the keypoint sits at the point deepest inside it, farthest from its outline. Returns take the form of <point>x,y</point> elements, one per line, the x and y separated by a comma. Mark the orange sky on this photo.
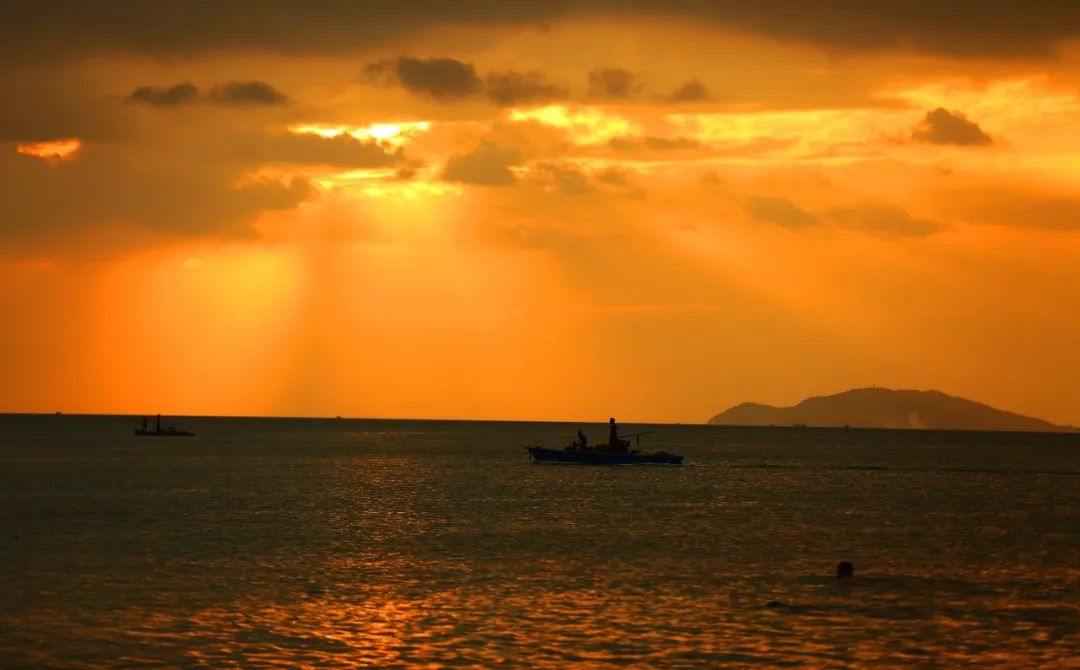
<point>540,214</point>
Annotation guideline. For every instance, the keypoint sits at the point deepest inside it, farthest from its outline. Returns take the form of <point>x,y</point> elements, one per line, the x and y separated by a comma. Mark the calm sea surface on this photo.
<point>401,543</point>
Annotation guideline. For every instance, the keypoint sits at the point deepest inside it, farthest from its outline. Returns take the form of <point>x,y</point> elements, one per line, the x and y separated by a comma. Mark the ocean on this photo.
<point>378,543</point>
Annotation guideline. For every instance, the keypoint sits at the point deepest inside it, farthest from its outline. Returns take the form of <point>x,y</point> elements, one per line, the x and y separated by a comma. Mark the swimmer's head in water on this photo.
<point>845,570</point>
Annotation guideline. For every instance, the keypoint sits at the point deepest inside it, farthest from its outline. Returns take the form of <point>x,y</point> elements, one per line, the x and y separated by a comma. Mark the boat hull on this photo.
<point>163,433</point>
<point>545,455</point>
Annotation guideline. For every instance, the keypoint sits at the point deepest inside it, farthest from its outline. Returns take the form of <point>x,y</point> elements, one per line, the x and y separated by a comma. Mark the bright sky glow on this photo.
<point>652,216</point>
<point>53,150</point>
<point>392,134</point>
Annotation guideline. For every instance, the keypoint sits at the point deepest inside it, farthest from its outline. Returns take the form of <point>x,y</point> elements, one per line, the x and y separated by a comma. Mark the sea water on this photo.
<point>342,543</point>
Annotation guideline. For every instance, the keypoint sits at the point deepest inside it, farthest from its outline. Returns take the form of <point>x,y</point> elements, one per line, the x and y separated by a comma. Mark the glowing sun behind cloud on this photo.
<point>395,134</point>
<point>52,150</point>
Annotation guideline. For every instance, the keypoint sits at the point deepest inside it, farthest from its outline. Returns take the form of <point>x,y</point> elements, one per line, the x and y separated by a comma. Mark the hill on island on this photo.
<point>883,408</point>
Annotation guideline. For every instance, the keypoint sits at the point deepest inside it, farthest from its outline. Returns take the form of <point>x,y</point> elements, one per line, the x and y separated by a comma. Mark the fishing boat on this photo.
<point>620,454</point>
<point>159,431</point>
<point>592,457</point>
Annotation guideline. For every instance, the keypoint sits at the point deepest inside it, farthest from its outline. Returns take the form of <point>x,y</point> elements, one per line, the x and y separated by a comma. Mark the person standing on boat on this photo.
<point>613,435</point>
<point>582,441</point>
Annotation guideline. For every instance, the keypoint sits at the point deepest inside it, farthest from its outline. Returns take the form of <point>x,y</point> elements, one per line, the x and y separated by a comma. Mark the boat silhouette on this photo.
<point>617,453</point>
<point>158,431</point>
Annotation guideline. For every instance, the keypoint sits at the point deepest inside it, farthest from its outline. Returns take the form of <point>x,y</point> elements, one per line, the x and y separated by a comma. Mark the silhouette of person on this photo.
<point>845,570</point>
<point>613,435</point>
<point>582,440</point>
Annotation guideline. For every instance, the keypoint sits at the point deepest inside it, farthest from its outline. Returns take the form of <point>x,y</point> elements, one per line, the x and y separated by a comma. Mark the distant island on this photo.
<point>884,408</point>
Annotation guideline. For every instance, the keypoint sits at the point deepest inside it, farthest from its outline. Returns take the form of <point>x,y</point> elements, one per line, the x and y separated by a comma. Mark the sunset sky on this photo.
<point>536,210</point>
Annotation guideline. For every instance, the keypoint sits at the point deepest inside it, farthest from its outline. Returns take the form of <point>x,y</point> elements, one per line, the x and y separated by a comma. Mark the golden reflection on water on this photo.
<point>377,549</point>
<point>623,618</point>
<point>867,624</point>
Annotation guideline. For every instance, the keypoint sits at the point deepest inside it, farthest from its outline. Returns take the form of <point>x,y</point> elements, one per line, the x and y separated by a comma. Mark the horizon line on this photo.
<point>1058,428</point>
<point>344,418</point>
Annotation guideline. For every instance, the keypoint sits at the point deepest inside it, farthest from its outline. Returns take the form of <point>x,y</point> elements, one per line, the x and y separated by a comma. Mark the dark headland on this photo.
<point>884,408</point>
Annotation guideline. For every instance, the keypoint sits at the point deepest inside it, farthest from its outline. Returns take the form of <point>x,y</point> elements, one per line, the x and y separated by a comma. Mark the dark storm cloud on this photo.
<point>781,212</point>
<point>441,78</point>
<point>883,220</point>
<point>486,165</point>
<point>691,91</point>
<point>513,88</point>
<point>243,93</point>
<point>65,28</point>
<point>944,127</point>
<point>164,96</point>
<point>612,83</point>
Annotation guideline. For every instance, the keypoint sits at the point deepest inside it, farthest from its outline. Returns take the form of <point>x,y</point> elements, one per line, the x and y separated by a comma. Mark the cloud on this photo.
<point>758,146</point>
<point>340,151</point>
<point>966,28</point>
<point>532,139</point>
<point>534,238</point>
<point>691,91</point>
<point>487,165</point>
<point>271,194</point>
<point>883,220</point>
<point>40,109</point>
<point>1014,206</point>
<point>612,83</point>
<point>229,94</point>
<point>688,148</point>
<point>655,143</point>
<point>105,188</point>
<point>162,96</point>
<point>247,93</point>
<point>781,212</point>
<point>444,79</point>
<point>513,88</point>
<point>76,28</point>
<point>570,178</point>
<point>618,181</point>
<point>613,177</point>
<point>450,80</point>
<point>944,127</point>
<point>564,177</point>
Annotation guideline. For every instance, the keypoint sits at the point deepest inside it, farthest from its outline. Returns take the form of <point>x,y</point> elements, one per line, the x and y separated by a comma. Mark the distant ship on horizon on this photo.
<point>158,431</point>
